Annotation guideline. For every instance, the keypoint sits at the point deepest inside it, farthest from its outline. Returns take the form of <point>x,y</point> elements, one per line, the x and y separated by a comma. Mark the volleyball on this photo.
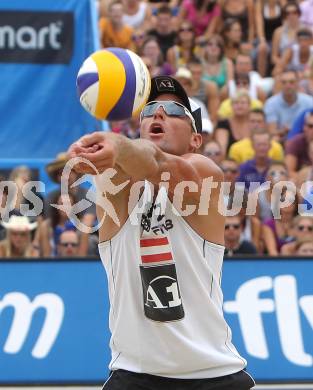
<point>113,84</point>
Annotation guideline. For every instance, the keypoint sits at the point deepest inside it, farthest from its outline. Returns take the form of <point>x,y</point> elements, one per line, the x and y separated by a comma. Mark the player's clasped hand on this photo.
<point>98,148</point>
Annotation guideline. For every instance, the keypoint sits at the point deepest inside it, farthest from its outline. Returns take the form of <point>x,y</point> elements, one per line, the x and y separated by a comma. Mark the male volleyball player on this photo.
<point>164,273</point>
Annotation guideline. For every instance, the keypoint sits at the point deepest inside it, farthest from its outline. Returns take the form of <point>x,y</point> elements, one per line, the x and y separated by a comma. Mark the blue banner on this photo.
<point>54,319</point>
<point>42,46</point>
<point>269,307</point>
<point>54,325</point>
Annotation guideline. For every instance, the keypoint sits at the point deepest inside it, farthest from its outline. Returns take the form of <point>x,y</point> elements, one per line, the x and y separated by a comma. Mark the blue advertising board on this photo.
<point>42,46</point>
<point>54,319</point>
<point>53,322</point>
<point>269,306</point>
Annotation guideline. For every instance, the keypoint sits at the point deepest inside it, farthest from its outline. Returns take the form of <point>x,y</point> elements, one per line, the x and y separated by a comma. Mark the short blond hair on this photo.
<point>239,94</point>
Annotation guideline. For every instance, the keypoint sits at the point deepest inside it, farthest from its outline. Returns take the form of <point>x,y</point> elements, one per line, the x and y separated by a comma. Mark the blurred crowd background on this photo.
<point>249,65</point>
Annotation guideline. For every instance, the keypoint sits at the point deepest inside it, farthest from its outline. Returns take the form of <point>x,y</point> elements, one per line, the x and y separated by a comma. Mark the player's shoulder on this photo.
<point>205,166</point>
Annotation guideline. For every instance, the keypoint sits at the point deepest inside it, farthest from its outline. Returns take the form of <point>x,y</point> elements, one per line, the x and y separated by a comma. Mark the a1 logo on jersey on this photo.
<point>161,296</point>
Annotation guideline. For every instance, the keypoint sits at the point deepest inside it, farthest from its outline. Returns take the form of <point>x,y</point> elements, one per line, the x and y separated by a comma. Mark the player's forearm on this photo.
<point>141,159</point>
<point>137,158</point>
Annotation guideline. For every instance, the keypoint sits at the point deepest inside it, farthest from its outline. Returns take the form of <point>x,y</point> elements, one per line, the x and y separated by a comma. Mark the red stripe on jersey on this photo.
<point>159,257</point>
<point>153,242</point>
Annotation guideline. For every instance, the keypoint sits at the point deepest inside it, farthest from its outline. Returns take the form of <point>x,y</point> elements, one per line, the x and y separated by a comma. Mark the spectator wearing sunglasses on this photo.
<point>213,150</point>
<point>138,39</point>
<point>268,17</point>
<point>68,245</point>
<point>302,229</point>
<point>185,48</point>
<point>234,245</point>
<point>59,221</point>
<point>202,14</point>
<point>285,35</point>
<point>216,67</point>
<point>236,201</point>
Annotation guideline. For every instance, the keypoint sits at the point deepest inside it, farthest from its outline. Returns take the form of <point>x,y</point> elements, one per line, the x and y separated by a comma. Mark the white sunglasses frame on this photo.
<point>161,102</point>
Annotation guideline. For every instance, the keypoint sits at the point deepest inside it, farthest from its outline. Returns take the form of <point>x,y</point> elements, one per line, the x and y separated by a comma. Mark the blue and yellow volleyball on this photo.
<point>113,84</point>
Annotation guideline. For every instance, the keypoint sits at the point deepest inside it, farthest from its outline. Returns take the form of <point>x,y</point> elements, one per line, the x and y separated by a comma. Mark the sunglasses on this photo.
<point>303,227</point>
<point>202,43</point>
<point>277,173</point>
<point>67,244</point>
<point>137,37</point>
<point>235,226</point>
<point>171,108</point>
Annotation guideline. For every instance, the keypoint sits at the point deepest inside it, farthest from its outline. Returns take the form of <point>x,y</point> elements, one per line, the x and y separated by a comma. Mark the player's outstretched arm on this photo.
<point>141,159</point>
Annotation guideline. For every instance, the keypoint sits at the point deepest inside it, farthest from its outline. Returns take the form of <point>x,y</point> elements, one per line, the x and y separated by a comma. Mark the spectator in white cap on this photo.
<point>18,242</point>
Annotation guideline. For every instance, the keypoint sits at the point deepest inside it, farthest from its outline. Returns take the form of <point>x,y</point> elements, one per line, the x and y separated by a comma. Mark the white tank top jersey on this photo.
<point>164,282</point>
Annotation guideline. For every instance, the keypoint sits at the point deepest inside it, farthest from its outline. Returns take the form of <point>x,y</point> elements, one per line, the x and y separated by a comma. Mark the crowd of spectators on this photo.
<point>249,65</point>
<point>38,224</point>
